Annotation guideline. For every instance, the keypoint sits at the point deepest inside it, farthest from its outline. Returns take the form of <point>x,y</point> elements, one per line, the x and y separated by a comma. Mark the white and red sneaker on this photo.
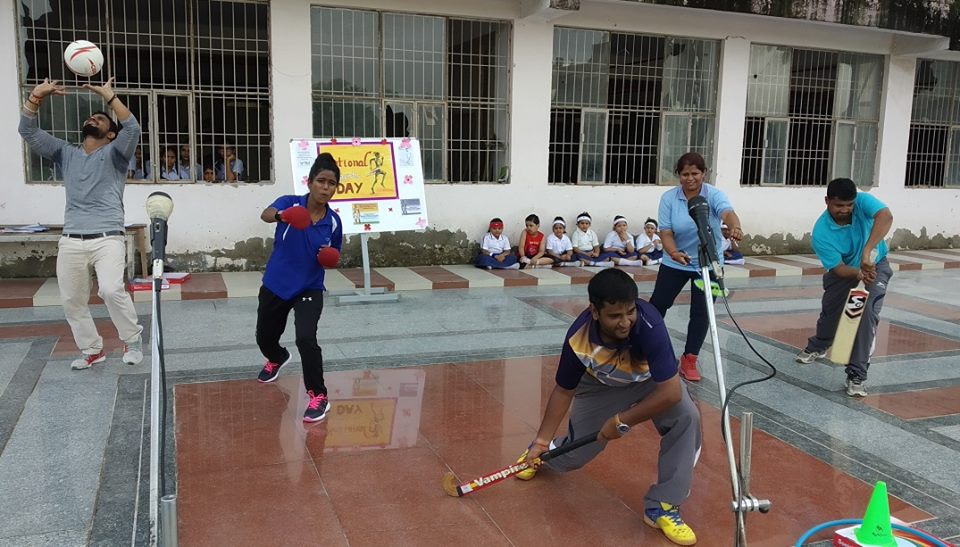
<point>87,360</point>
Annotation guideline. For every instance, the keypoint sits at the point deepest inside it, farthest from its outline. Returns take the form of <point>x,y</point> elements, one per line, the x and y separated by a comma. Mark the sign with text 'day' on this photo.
<point>381,181</point>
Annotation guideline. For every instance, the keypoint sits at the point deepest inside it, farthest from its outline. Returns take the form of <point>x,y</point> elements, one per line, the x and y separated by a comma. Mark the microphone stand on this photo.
<point>164,531</point>
<point>742,500</point>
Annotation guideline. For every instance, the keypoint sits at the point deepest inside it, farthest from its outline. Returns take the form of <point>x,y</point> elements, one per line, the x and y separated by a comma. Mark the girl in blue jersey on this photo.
<point>294,280</point>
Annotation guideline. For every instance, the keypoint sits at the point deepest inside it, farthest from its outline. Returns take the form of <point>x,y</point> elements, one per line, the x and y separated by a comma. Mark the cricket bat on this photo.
<point>850,321</point>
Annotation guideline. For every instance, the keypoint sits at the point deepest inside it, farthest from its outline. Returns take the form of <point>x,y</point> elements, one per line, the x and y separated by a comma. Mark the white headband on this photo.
<point>654,224</point>
<point>724,226</point>
<point>560,222</point>
<point>618,219</point>
<point>581,218</point>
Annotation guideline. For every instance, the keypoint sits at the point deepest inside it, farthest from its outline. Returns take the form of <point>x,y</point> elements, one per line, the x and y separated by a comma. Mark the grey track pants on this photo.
<point>679,429</point>
<point>835,289</point>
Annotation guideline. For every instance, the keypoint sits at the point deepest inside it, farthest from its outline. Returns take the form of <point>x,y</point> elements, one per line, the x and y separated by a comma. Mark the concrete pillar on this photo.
<point>897,107</point>
<point>731,110</point>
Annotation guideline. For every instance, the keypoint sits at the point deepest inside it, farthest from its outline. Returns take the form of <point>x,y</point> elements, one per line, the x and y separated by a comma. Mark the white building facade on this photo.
<point>521,108</point>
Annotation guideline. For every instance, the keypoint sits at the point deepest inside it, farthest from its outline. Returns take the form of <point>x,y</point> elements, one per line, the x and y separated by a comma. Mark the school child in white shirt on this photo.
<point>559,246</point>
<point>648,243</point>
<point>618,245</point>
<point>586,244</point>
<point>495,249</point>
<point>731,252</point>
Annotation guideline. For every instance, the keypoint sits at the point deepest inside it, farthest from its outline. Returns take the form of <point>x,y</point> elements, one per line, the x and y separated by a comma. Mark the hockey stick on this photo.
<point>449,480</point>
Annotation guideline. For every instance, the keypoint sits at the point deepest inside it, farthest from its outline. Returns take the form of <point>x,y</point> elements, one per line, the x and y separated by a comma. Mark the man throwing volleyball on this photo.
<point>94,175</point>
<point>308,238</point>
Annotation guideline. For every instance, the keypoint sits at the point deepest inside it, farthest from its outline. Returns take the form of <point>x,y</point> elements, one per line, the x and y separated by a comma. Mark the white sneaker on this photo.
<point>133,352</point>
<point>513,267</point>
<point>807,357</point>
<point>86,360</point>
<point>855,388</point>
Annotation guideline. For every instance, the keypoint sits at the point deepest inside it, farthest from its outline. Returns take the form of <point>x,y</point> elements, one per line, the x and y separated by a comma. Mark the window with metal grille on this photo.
<point>442,80</point>
<point>933,151</point>
<point>626,106</point>
<point>195,73</point>
<point>812,116</point>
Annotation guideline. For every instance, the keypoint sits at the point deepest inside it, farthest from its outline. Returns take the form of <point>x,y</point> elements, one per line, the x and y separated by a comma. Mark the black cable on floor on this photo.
<point>163,394</point>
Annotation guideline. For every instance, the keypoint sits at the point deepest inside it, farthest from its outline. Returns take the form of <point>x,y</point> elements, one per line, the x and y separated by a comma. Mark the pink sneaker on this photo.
<point>317,407</point>
<point>271,370</point>
<point>688,368</point>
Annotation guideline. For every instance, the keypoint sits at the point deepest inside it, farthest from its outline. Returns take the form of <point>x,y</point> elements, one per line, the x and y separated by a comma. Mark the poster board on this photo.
<point>381,182</point>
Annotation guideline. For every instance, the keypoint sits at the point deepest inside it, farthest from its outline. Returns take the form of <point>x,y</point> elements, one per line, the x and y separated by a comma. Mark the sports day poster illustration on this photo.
<point>381,181</point>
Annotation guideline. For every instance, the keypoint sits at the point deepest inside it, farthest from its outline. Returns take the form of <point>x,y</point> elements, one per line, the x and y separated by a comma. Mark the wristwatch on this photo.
<point>278,217</point>
<point>622,427</point>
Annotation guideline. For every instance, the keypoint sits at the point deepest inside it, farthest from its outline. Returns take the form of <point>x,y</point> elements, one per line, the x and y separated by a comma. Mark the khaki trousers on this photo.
<point>107,255</point>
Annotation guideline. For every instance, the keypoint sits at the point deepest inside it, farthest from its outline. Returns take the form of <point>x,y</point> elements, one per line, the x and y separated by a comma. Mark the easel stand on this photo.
<point>367,293</point>
<point>743,501</point>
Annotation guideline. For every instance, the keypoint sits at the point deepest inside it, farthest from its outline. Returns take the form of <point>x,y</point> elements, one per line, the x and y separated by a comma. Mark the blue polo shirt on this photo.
<point>835,244</point>
<point>674,215</point>
<point>293,267</point>
<point>647,353</point>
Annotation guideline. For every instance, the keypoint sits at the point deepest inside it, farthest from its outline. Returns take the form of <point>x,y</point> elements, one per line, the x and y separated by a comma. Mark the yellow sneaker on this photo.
<point>527,473</point>
<point>667,519</point>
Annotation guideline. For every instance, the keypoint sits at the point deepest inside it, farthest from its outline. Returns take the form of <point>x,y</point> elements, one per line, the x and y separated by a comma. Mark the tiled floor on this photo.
<point>18,293</point>
<point>456,380</point>
<point>356,483</point>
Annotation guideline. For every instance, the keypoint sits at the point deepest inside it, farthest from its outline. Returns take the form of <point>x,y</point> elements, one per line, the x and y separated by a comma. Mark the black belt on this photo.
<point>96,235</point>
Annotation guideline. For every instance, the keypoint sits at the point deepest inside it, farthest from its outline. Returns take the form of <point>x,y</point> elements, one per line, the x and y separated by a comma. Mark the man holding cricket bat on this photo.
<point>618,370</point>
<point>849,241</point>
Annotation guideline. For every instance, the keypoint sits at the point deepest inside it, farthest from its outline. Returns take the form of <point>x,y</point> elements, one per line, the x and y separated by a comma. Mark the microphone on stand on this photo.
<point>159,207</point>
<point>699,210</point>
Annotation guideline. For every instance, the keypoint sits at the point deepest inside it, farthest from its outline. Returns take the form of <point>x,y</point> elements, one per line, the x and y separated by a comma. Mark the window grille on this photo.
<point>195,73</point>
<point>442,80</point>
<point>626,106</point>
<point>812,116</point>
<point>933,150</point>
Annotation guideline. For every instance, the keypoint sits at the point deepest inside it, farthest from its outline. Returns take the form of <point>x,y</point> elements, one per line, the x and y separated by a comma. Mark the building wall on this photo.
<point>217,226</point>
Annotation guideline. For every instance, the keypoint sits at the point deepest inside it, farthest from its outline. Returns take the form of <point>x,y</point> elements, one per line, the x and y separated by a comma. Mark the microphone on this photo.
<point>699,210</point>
<point>159,207</point>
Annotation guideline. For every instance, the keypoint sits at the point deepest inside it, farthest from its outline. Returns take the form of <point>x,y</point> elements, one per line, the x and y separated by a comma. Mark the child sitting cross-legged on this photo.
<point>495,249</point>
<point>559,247</point>
<point>586,245</point>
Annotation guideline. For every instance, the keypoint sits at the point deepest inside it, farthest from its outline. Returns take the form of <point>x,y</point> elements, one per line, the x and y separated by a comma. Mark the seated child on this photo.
<point>586,244</point>
<point>649,244</point>
<point>495,249</point>
<point>559,247</point>
<point>618,245</point>
<point>731,252</point>
<point>532,246</point>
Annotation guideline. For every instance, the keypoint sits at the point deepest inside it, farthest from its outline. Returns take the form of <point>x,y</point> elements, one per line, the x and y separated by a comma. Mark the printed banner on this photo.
<point>381,182</point>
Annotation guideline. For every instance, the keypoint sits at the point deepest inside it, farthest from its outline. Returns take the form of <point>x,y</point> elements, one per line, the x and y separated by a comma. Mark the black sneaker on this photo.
<point>271,370</point>
<point>317,407</point>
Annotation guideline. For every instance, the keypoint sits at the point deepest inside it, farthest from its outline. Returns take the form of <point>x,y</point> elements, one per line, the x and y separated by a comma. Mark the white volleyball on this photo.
<point>83,58</point>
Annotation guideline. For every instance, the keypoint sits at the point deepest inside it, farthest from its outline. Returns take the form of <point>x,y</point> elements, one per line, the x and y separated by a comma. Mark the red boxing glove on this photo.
<point>328,257</point>
<point>296,216</point>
